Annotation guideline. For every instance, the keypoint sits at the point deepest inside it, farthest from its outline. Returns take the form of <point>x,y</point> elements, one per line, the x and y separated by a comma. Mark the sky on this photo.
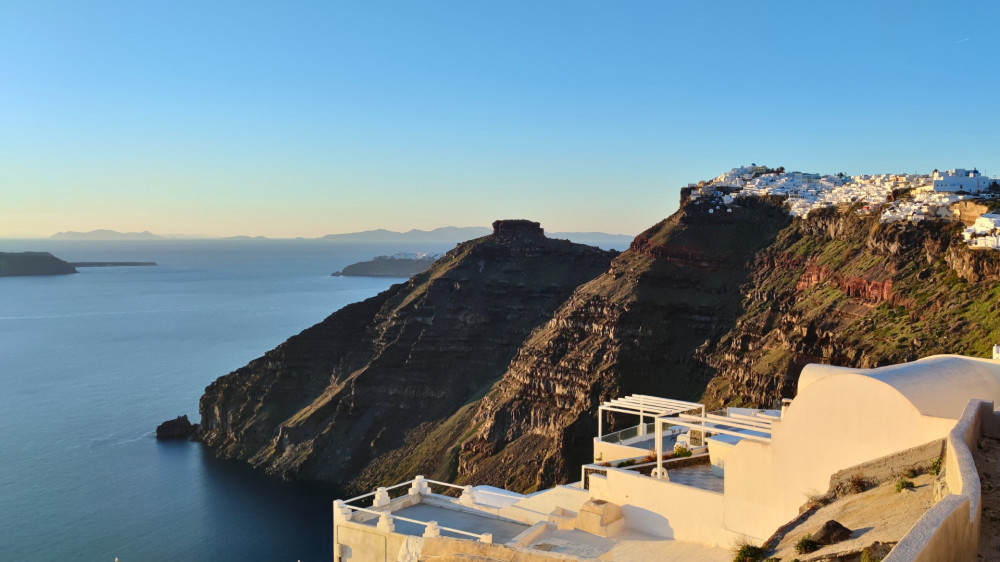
<point>292,119</point>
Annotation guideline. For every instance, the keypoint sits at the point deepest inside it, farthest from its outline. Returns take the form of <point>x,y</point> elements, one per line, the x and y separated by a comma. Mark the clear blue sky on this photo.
<point>302,119</point>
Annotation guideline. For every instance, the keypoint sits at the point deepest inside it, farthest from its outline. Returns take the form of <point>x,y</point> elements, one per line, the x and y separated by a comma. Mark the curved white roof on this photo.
<point>939,386</point>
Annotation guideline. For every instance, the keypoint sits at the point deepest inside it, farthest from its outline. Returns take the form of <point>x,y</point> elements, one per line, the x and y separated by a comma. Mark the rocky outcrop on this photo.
<point>356,386</point>
<point>831,532</point>
<point>32,263</point>
<point>973,264</point>
<point>969,210</point>
<point>178,428</point>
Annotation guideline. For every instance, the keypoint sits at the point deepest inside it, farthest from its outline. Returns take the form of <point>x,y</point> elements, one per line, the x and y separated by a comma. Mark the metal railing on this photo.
<point>418,486</point>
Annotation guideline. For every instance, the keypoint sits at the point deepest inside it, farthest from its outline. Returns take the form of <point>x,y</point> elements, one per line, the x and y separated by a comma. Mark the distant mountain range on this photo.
<point>445,234</point>
<point>105,234</point>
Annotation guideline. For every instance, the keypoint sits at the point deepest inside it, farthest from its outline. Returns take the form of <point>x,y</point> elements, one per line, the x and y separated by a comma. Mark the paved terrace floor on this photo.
<point>503,531</point>
<point>697,476</point>
<point>630,545</point>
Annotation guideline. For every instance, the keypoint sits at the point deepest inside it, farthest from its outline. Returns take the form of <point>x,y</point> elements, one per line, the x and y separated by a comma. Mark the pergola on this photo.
<point>754,428</point>
<point>642,405</point>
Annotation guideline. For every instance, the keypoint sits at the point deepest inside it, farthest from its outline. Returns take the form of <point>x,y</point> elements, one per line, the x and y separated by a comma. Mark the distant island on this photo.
<point>444,234</point>
<point>105,234</point>
<point>33,263</point>
<point>404,264</point>
<point>112,263</point>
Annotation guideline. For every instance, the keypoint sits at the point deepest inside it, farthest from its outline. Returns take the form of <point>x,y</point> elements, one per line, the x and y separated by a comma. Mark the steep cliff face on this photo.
<point>489,367</point>
<point>843,289</point>
<point>632,330</point>
<point>352,388</point>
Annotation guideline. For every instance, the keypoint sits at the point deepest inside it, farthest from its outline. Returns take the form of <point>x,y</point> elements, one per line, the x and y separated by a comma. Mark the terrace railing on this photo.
<point>627,433</point>
<point>381,501</point>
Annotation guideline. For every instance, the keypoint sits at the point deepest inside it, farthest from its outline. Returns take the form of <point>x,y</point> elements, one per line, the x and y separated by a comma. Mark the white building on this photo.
<point>750,473</point>
<point>960,179</point>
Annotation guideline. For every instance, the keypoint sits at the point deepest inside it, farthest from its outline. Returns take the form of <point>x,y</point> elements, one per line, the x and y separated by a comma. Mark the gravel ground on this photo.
<point>880,514</point>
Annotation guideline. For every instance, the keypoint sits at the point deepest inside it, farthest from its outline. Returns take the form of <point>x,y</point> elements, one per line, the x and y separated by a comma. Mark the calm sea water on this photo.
<point>91,363</point>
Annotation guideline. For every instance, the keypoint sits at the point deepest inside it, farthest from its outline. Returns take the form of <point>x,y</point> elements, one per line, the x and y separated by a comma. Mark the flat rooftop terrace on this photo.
<point>502,530</point>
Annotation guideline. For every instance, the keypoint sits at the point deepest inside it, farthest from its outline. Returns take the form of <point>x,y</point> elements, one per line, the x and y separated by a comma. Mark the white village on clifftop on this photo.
<point>896,197</point>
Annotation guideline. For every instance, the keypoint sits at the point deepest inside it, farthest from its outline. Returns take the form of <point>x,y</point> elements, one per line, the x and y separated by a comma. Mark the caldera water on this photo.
<point>90,363</point>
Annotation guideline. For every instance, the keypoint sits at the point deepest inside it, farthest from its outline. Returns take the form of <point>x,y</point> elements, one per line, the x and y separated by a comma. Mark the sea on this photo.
<point>90,363</point>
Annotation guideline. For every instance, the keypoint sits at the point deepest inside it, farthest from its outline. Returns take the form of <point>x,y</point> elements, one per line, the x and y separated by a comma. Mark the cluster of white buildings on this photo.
<point>985,232</point>
<point>922,204</point>
<point>924,197</point>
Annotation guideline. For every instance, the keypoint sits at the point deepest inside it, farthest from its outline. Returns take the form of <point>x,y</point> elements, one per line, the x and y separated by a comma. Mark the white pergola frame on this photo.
<point>709,423</point>
<point>642,405</point>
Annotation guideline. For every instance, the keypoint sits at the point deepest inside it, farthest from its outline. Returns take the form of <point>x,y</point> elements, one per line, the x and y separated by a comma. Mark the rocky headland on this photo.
<point>389,266</point>
<point>489,366</point>
<point>355,387</point>
<point>32,263</point>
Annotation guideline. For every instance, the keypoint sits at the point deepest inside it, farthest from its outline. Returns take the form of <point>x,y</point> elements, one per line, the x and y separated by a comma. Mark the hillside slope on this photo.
<point>843,289</point>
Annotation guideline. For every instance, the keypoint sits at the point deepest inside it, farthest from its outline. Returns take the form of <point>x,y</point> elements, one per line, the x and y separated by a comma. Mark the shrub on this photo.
<point>869,557</point>
<point>856,484</point>
<point>806,544</point>
<point>681,451</point>
<point>902,484</point>
<point>747,551</point>
<point>936,466</point>
<point>912,472</point>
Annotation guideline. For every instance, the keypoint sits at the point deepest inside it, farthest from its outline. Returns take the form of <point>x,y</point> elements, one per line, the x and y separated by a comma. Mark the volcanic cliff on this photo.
<point>635,328</point>
<point>325,403</point>
<point>489,367</point>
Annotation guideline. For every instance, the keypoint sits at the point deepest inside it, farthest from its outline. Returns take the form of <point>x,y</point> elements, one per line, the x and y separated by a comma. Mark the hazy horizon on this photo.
<point>262,119</point>
<point>183,235</point>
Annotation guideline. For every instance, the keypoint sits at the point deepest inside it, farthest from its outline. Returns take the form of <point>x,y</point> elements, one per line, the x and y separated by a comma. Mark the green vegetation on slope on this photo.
<point>843,289</point>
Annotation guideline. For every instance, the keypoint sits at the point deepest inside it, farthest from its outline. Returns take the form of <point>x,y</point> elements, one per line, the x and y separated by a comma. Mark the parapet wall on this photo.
<point>950,529</point>
<point>889,467</point>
